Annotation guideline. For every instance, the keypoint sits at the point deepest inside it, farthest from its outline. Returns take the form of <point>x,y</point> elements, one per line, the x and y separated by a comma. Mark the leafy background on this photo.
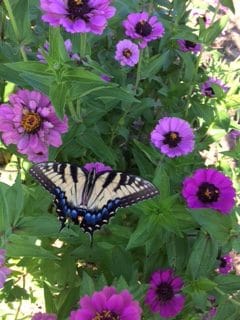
<point>111,122</point>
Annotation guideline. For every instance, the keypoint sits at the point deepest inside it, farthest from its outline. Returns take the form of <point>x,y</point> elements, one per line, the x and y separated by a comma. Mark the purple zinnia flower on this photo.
<point>207,87</point>
<point>141,26</point>
<point>68,47</point>
<point>4,271</point>
<point>108,304</point>
<point>78,15</point>
<point>209,188</point>
<point>226,264</point>
<point>163,295</point>
<point>44,316</point>
<point>173,137</point>
<point>29,121</point>
<point>97,166</point>
<point>186,46</point>
<point>127,53</point>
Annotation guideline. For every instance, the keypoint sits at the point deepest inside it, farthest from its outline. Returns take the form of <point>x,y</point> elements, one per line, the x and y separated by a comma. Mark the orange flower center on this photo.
<point>31,122</point>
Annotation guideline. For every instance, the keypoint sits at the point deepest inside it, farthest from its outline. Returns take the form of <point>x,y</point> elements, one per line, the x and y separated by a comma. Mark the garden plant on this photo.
<point>140,94</point>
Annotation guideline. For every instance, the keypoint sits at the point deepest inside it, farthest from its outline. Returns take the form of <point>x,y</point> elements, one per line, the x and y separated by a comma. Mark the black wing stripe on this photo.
<point>110,178</point>
<point>74,173</point>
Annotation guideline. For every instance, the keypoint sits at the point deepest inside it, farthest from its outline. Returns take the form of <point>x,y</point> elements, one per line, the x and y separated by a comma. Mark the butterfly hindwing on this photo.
<point>87,198</point>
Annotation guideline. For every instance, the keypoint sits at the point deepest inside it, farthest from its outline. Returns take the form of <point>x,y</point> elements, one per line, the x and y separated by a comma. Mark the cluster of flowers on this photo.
<point>163,296</point>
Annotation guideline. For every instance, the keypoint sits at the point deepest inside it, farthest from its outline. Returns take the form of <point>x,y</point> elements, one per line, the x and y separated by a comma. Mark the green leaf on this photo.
<point>203,256</point>
<point>227,310</point>
<point>29,66</point>
<point>228,283</point>
<point>212,32</point>
<point>94,142</point>
<point>5,222</point>
<point>229,4</point>
<point>216,224</point>
<point>189,66</point>
<point>57,51</point>
<point>58,95</point>
<point>49,299</point>
<point>25,246</point>
<point>161,181</point>
<point>87,285</point>
<point>15,201</point>
<point>154,65</point>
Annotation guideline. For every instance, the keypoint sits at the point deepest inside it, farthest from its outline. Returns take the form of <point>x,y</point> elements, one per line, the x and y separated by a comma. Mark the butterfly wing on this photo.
<point>87,198</point>
<point>113,190</point>
<point>66,182</point>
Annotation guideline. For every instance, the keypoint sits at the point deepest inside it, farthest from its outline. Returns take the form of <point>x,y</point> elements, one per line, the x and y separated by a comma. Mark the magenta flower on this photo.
<point>173,137</point>
<point>226,264</point>
<point>44,316</point>
<point>211,314</point>
<point>127,53</point>
<point>209,188</point>
<point>68,47</point>
<point>189,46</point>
<point>78,15</point>
<point>141,26</point>
<point>29,121</point>
<point>98,166</point>
<point>107,304</point>
<point>163,295</point>
<point>4,271</point>
<point>207,88</point>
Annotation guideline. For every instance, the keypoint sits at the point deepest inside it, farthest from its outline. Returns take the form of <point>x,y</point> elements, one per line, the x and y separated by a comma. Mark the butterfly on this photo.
<point>89,198</point>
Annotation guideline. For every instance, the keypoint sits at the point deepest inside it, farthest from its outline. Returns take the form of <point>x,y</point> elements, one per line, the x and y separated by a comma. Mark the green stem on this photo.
<point>138,76</point>
<point>83,42</point>
<point>15,28</point>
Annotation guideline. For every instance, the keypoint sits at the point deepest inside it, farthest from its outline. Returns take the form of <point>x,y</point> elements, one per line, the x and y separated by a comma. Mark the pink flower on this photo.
<point>30,122</point>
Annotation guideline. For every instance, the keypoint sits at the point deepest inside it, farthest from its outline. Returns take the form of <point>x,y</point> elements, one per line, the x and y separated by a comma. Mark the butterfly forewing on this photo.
<point>128,189</point>
<point>69,178</point>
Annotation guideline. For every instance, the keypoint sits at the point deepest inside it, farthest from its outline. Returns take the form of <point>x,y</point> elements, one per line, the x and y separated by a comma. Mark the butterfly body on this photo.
<point>89,198</point>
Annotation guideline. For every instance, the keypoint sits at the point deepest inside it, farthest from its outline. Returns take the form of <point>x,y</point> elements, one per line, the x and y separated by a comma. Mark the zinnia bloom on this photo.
<point>44,316</point>
<point>189,46</point>
<point>173,137</point>
<point>209,188</point>
<point>98,166</point>
<point>163,295</point>
<point>207,88</point>
<point>29,121</point>
<point>141,26</point>
<point>78,15</point>
<point>127,53</point>
<point>68,47</point>
<point>226,264</point>
<point>4,271</point>
<point>107,304</point>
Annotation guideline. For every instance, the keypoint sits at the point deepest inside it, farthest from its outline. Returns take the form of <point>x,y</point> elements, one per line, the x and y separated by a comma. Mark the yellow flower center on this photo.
<point>127,53</point>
